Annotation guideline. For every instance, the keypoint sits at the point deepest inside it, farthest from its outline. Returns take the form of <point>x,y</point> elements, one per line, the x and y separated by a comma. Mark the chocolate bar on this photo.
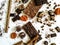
<point>31,9</point>
<point>30,30</point>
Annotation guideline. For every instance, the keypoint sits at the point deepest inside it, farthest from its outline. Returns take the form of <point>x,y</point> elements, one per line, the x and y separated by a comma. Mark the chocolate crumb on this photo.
<point>18,28</point>
<point>45,43</point>
<point>22,35</point>
<point>57,28</point>
<point>38,31</point>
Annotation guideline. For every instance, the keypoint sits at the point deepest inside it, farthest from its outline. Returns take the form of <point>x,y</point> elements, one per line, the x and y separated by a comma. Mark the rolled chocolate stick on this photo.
<point>8,16</point>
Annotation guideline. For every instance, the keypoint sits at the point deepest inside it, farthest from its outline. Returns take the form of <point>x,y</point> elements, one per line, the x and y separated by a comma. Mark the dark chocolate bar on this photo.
<point>31,9</point>
<point>30,30</point>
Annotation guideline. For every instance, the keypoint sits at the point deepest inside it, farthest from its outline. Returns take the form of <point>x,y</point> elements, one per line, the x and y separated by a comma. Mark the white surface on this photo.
<point>5,39</point>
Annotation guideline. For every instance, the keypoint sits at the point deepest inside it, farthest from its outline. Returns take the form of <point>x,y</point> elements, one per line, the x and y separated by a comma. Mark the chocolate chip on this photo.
<point>18,28</point>
<point>12,14</point>
<point>22,35</point>
<point>52,44</point>
<point>53,35</point>
<point>25,1</point>
<point>57,28</point>
<point>18,11</point>
<point>47,7</point>
<point>38,31</point>
<point>42,26</point>
<point>45,43</point>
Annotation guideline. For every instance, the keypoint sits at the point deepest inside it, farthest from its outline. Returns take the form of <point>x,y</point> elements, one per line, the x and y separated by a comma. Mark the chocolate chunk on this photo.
<point>18,28</point>
<point>45,43</point>
<point>31,9</point>
<point>15,18</point>
<point>25,1</point>
<point>22,35</point>
<point>18,11</point>
<point>30,30</point>
<point>40,2</point>
<point>52,44</point>
<point>12,14</point>
<point>53,35</point>
<point>57,28</point>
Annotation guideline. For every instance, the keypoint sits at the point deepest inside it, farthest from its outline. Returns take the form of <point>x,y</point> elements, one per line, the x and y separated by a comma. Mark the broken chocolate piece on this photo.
<point>57,28</point>
<point>15,18</point>
<point>53,35</point>
<point>31,9</point>
<point>30,30</point>
<point>40,2</point>
<point>18,28</point>
<point>45,43</point>
<point>18,11</point>
<point>12,14</point>
<point>22,35</point>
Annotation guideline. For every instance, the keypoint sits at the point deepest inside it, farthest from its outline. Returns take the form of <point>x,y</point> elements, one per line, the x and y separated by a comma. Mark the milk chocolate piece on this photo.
<point>31,9</point>
<point>30,30</point>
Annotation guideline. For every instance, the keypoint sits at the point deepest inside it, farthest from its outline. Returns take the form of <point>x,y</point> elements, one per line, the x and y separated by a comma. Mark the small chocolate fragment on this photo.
<point>12,14</point>
<point>15,18</point>
<point>18,11</point>
<point>18,28</point>
<point>57,28</point>
<point>25,1</point>
<point>53,35</point>
<point>45,43</point>
<point>22,35</point>
<point>30,30</point>
<point>40,2</point>
<point>52,44</point>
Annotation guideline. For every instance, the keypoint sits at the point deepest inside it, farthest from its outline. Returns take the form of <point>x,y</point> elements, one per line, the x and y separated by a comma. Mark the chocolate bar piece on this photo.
<point>30,30</point>
<point>40,2</point>
<point>31,9</point>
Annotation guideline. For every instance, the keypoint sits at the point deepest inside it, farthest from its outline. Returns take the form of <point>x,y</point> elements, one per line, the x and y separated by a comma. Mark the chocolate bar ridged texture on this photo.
<point>31,9</point>
<point>30,30</point>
